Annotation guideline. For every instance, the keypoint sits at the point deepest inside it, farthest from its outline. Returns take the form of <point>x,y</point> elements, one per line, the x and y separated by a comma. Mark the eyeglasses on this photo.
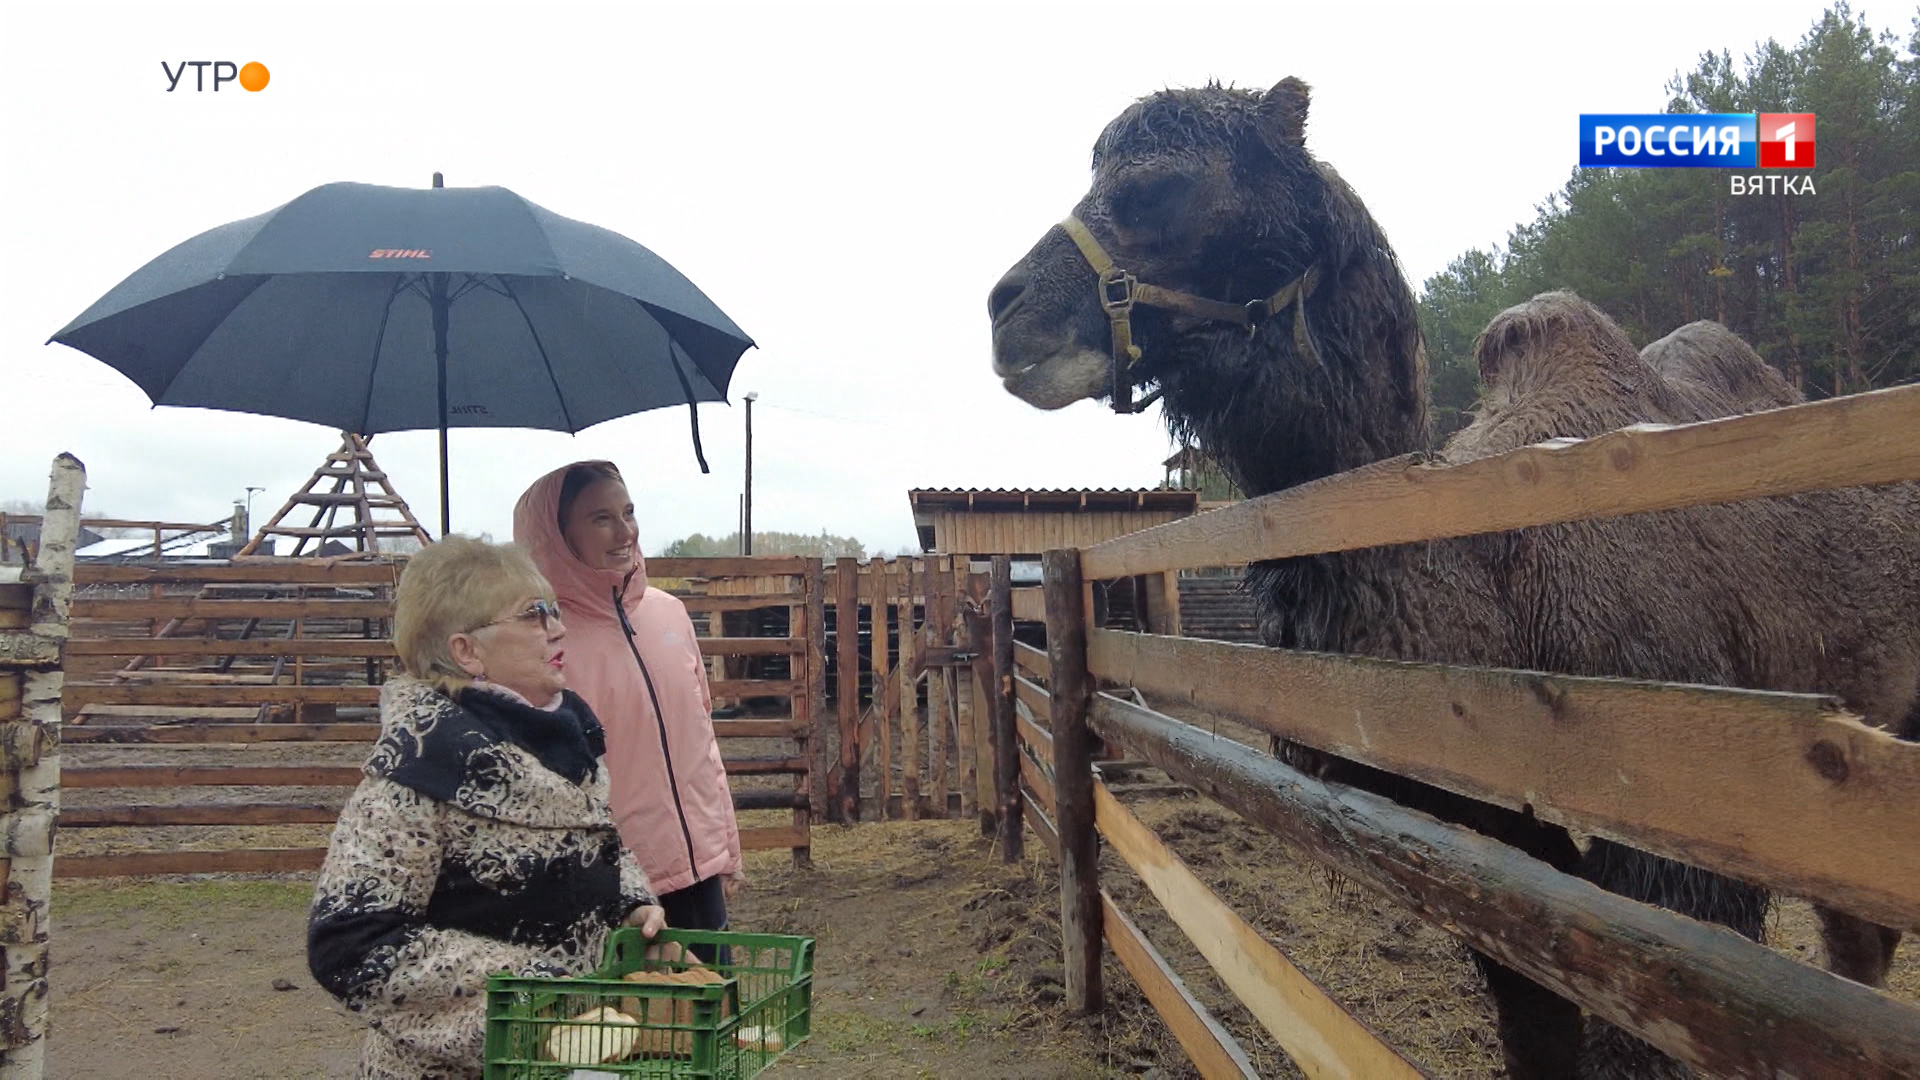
<point>547,611</point>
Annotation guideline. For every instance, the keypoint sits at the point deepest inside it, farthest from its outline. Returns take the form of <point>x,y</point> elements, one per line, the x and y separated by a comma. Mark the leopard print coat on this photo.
<point>479,842</point>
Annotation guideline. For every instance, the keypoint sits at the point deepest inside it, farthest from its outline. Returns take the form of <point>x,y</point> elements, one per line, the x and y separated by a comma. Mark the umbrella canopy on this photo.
<point>374,309</point>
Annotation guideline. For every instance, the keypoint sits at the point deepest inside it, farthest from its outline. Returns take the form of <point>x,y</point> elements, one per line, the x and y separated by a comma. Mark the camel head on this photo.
<point>1211,193</point>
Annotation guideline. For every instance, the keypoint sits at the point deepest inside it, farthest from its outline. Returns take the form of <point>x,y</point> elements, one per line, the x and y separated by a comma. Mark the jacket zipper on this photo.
<point>659,718</point>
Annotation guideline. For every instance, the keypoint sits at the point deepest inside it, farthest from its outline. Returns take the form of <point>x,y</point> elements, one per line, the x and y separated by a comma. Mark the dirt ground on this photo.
<point>934,960</point>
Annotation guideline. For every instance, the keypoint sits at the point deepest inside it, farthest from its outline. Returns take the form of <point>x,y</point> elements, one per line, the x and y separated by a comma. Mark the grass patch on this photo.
<point>174,904</point>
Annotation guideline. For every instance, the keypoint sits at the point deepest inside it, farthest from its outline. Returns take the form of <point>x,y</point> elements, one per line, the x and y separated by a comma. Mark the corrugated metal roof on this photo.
<point>1053,499</point>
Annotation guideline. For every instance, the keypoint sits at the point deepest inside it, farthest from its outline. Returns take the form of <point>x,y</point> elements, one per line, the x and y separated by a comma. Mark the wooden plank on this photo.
<point>199,734</point>
<point>1682,771</point>
<point>1213,1051</point>
<point>153,863</point>
<point>284,572</point>
<point>739,603</point>
<point>727,566</point>
<point>10,691</point>
<point>759,729</point>
<point>16,605</point>
<point>201,646</point>
<point>751,646</point>
<point>814,579</point>
<point>1036,814</point>
<point>909,693</point>
<point>765,766</point>
<point>97,817</point>
<point>885,695</point>
<point>134,776</point>
<point>187,607</point>
<point>1030,695</point>
<point>740,688</point>
<point>939,633</point>
<point>770,838</point>
<point>763,799</point>
<point>1841,442</point>
<point>1006,763</point>
<point>1073,746</point>
<point>1030,659</point>
<point>81,694</point>
<point>966,740</point>
<point>1712,999</point>
<point>1032,735</point>
<point>1034,777</point>
<point>1029,605</point>
<point>846,622</point>
<point>1309,1025</point>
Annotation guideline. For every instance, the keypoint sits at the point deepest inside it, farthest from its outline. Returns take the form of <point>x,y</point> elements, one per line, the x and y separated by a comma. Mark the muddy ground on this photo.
<point>935,960</point>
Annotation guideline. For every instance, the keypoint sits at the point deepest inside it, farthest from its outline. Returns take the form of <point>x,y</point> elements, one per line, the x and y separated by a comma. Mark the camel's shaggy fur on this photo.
<point>1212,191</point>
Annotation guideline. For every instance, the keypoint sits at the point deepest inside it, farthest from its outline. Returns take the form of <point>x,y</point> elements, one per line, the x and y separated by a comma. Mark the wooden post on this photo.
<point>939,706</point>
<point>1006,763</point>
<point>816,676</point>
<point>959,689</point>
<point>909,695</point>
<point>882,687</point>
<point>800,707</point>
<point>1071,690</point>
<point>28,826</point>
<point>846,622</point>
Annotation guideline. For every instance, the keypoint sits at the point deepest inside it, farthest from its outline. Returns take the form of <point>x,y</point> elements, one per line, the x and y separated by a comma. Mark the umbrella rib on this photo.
<point>558,394</point>
<point>379,340</point>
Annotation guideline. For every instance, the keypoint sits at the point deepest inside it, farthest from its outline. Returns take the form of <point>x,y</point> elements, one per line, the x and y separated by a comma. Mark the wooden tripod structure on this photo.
<point>353,475</point>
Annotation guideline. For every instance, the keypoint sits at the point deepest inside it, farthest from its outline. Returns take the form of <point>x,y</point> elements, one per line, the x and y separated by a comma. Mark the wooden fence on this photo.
<point>912,736</point>
<point>1801,796</point>
<point>23,551</point>
<point>278,652</point>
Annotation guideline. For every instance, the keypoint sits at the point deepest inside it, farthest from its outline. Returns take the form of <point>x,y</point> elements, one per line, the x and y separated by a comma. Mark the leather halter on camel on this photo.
<point>1120,290</point>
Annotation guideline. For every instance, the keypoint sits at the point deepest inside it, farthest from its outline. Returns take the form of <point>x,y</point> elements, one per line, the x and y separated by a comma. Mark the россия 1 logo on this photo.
<point>1704,141</point>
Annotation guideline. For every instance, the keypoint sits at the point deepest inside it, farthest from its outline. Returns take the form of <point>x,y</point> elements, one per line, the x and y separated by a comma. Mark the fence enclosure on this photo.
<point>269,653</point>
<point>1785,790</point>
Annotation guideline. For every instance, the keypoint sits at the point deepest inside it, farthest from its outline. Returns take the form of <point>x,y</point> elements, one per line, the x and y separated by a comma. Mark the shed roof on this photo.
<point>1052,500</point>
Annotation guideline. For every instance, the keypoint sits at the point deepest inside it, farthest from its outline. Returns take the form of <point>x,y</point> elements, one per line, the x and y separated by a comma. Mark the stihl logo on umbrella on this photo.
<point>400,253</point>
<point>251,77</point>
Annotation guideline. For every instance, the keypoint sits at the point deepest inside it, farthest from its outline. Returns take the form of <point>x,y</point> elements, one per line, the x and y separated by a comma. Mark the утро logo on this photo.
<point>252,77</point>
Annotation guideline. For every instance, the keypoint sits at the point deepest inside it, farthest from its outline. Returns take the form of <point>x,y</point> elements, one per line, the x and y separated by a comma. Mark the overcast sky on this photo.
<point>846,181</point>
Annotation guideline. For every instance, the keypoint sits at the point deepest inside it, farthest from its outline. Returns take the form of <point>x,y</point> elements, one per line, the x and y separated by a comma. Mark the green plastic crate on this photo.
<point>768,986</point>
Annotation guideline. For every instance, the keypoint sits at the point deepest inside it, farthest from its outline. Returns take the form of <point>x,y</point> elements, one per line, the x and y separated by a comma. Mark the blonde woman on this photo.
<point>480,840</point>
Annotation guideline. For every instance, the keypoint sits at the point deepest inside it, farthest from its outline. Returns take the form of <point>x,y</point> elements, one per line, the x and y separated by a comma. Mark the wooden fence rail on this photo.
<point>1680,771</point>
<point>197,700</point>
<point>1841,442</point>
<point>1789,791</point>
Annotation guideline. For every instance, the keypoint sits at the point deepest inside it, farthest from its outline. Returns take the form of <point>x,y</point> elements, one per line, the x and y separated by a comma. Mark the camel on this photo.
<point>1210,194</point>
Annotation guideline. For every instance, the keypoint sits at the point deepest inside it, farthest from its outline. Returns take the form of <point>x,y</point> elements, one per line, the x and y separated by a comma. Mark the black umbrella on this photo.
<point>374,309</point>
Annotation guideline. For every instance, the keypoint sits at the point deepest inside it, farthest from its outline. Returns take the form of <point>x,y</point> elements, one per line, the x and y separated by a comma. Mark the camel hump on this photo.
<point>1547,336</point>
<point>1713,361</point>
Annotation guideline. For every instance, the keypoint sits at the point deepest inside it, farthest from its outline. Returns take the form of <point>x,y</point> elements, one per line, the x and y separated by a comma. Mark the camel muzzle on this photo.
<point>1119,291</point>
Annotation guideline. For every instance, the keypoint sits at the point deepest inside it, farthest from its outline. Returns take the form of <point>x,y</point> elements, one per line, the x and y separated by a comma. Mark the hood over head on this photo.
<point>582,590</point>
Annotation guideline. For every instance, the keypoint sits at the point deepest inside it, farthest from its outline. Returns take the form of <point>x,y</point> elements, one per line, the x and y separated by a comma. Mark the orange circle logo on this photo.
<point>254,76</point>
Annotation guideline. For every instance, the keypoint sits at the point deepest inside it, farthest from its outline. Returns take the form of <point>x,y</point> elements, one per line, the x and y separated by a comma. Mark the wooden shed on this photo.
<point>980,523</point>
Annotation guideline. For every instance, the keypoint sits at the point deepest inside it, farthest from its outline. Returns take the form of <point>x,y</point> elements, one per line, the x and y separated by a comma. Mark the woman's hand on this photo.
<point>650,918</point>
<point>731,884</point>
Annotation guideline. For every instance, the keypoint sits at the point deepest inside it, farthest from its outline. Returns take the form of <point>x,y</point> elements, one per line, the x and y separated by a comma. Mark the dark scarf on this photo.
<point>569,741</point>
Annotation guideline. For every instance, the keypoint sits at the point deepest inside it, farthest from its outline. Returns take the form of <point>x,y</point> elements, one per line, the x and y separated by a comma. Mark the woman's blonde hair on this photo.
<point>453,587</point>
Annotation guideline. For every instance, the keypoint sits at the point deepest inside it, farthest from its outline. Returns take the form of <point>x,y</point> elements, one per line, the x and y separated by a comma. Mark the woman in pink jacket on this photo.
<point>631,654</point>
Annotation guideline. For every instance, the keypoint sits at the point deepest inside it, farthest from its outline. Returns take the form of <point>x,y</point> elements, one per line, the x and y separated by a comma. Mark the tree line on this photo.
<point>1825,286</point>
<point>825,546</point>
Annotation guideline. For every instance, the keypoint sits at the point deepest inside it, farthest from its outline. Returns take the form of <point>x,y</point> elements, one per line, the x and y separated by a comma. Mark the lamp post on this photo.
<point>746,512</point>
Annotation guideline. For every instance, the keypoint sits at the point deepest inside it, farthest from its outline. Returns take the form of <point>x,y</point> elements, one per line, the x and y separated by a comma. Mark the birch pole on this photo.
<point>32,758</point>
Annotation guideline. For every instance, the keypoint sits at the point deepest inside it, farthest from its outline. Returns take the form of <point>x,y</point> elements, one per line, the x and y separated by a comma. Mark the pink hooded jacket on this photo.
<point>669,791</point>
